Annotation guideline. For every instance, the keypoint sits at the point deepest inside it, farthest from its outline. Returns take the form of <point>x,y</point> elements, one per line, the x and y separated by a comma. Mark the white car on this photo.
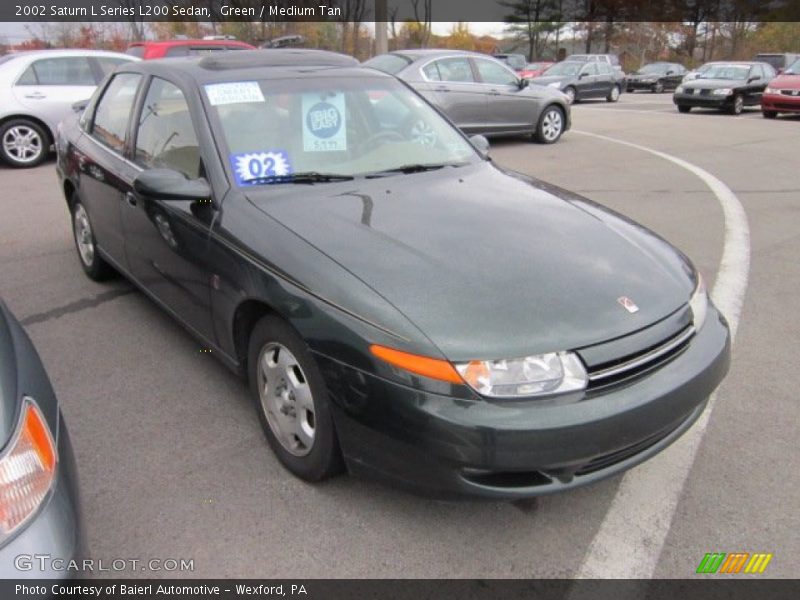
<point>37,91</point>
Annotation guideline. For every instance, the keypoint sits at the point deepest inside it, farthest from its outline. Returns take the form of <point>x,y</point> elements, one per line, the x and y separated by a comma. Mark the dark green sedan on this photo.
<point>400,305</point>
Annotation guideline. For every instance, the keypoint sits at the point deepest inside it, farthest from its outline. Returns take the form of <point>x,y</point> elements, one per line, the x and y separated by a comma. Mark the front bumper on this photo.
<point>512,449</point>
<point>780,103</point>
<point>55,532</point>
<point>700,101</point>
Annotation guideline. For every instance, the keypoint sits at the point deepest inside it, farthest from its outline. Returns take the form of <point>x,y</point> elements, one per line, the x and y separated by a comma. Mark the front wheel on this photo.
<point>737,106</point>
<point>23,143</point>
<point>550,125</point>
<point>292,401</point>
<point>769,114</point>
<point>85,243</point>
<point>613,95</point>
<point>684,108</point>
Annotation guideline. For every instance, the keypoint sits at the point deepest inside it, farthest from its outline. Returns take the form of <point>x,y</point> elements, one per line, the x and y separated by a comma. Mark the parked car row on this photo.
<point>727,86</point>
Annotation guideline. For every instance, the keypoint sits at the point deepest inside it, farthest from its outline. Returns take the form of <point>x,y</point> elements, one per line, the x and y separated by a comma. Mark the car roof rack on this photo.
<point>285,57</point>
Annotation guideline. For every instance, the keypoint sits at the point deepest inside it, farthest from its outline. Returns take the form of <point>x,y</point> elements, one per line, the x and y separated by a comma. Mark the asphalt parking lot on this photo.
<point>173,463</point>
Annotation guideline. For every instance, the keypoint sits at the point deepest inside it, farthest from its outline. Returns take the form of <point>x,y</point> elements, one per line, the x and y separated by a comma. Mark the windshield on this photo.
<point>726,72</point>
<point>564,68</point>
<point>654,69</point>
<point>282,129</point>
<point>388,63</point>
<point>793,69</point>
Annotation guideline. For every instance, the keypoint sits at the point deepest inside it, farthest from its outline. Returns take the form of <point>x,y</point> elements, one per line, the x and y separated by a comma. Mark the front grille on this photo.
<point>790,92</point>
<point>641,362</point>
<point>705,92</point>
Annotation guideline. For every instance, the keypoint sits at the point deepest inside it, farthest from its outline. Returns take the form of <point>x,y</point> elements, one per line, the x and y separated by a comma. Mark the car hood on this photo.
<point>713,84</point>
<point>8,380</point>
<point>786,82</point>
<point>547,79</point>
<point>486,264</point>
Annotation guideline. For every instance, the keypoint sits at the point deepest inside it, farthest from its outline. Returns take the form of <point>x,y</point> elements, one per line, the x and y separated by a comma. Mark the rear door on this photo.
<point>50,86</point>
<point>104,170</point>
<point>452,86</point>
<point>606,79</point>
<point>508,106</point>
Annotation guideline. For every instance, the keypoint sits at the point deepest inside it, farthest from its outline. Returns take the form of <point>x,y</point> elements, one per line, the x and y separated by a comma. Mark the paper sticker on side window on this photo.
<point>324,125</point>
<point>250,168</point>
<point>235,92</point>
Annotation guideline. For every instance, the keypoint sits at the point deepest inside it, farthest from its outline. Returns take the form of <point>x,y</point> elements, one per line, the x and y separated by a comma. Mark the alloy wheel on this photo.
<point>552,124</point>
<point>286,399</point>
<point>23,144</point>
<point>83,235</point>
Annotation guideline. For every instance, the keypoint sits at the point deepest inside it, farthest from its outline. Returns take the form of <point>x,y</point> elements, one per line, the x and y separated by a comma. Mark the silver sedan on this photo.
<point>479,94</point>
<point>38,89</point>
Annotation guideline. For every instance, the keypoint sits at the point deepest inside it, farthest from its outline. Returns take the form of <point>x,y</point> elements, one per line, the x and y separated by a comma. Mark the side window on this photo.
<point>74,70</point>
<point>589,68</point>
<point>756,71</point>
<point>107,65</point>
<point>114,110</point>
<point>165,136</point>
<point>605,69</point>
<point>431,71</point>
<point>455,69</point>
<point>492,72</point>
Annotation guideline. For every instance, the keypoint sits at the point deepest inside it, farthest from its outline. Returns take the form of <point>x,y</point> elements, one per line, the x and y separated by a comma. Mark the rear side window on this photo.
<point>605,68</point>
<point>114,110</point>
<point>492,72</point>
<point>389,63</point>
<point>74,70</point>
<point>165,136</point>
<point>137,51</point>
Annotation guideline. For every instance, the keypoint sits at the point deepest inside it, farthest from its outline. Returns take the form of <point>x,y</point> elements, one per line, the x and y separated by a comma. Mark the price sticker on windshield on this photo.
<point>234,92</point>
<point>324,123</point>
<point>250,168</point>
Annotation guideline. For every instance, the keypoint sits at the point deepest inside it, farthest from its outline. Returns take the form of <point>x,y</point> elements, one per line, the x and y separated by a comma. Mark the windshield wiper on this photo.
<point>303,177</point>
<point>413,168</point>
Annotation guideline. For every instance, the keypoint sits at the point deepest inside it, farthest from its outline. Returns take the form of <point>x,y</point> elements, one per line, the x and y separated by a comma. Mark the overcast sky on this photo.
<point>16,32</point>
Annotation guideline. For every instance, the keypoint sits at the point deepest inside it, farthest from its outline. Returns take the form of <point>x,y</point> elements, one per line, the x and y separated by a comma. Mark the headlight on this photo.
<point>770,90</point>
<point>555,84</point>
<point>551,373</point>
<point>679,89</point>
<point>699,303</point>
<point>27,469</point>
<point>722,92</point>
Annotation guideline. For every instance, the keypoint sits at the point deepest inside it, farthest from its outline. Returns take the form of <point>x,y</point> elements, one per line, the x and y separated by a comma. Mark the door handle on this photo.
<point>441,88</point>
<point>130,198</point>
<point>36,96</point>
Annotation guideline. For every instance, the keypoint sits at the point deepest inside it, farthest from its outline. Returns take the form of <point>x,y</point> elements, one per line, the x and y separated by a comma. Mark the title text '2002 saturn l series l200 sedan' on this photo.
<point>401,305</point>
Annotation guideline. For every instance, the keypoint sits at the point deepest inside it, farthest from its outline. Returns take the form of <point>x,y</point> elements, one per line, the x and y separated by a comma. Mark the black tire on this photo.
<point>614,94</point>
<point>769,114</point>
<point>737,105</point>
<point>658,88</point>
<point>550,126</point>
<point>323,460</point>
<point>683,108</point>
<point>24,129</point>
<point>94,266</point>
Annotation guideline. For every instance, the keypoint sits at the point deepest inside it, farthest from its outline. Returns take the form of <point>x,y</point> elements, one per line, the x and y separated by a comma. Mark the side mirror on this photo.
<point>166,184</point>
<point>670,72</point>
<point>80,106</point>
<point>582,75</point>
<point>481,144</point>
<point>523,83</point>
<point>753,78</point>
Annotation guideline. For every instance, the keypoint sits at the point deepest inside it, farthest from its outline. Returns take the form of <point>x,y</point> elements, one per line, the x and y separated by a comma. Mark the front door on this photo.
<point>166,241</point>
<point>509,107</point>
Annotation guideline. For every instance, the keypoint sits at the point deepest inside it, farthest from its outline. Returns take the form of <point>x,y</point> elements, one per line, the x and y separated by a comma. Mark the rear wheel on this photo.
<point>85,243</point>
<point>769,114</point>
<point>23,143</point>
<point>683,108</point>
<point>292,402</point>
<point>550,125</point>
<point>613,95</point>
<point>658,88</point>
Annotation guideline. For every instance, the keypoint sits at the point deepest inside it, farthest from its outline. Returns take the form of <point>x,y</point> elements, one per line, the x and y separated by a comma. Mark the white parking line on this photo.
<point>632,534</point>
